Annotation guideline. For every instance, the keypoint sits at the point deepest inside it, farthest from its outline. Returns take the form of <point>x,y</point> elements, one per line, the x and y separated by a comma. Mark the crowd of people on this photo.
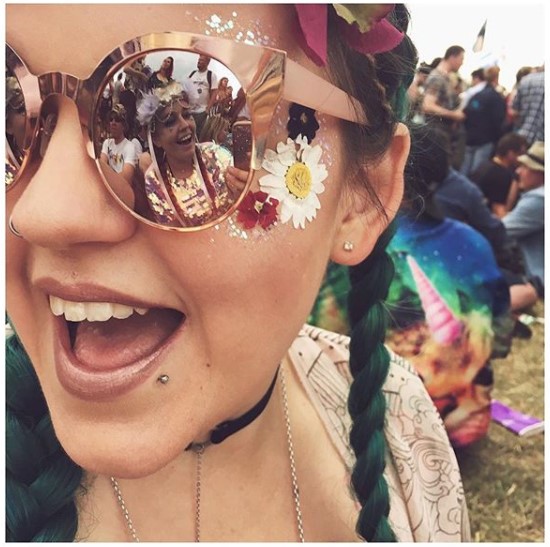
<point>469,242</point>
<point>211,99</point>
<point>177,176</point>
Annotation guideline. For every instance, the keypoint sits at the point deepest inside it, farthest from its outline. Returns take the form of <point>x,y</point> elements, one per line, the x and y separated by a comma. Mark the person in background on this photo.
<point>528,107</point>
<point>415,93</point>
<point>223,99</point>
<point>485,114</point>
<point>117,151</point>
<point>201,87</point>
<point>444,265</point>
<point>457,197</point>
<point>511,114</point>
<point>496,177</point>
<point>118,88</point>
<point>163,76</point>
<point>441,102</point>
<point>525,222</point>
<point>215,129</point>
<point>137,76</point>
<point>477,84</point>
<point>239,109</point>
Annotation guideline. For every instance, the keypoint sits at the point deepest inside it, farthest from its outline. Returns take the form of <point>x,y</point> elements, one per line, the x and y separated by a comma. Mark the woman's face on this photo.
<point>176,135</point>
<point>223,83</point>
<point>223,310</point>
<point>166,64</point>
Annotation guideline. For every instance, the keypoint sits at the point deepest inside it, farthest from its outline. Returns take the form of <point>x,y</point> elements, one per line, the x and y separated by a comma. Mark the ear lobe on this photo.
<point>362,221</point>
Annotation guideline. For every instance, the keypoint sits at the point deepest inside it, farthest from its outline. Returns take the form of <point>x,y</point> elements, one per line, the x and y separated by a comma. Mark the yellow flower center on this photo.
<point>258,205</point>
<point>298,180</point>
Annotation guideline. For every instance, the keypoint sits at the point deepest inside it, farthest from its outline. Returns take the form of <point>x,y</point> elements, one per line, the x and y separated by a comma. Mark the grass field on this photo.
<point>503,474</point>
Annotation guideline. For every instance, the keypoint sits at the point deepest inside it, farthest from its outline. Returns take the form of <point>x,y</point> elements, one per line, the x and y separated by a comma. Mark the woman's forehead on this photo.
<point>91,31</point>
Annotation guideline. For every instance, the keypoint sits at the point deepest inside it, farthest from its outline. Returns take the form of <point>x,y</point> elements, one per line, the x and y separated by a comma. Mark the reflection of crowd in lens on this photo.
<point>172,141</point>
<point>15,127</point>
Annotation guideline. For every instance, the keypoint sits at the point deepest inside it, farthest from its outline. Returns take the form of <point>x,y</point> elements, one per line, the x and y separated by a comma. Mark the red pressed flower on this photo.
<point>257,208</point>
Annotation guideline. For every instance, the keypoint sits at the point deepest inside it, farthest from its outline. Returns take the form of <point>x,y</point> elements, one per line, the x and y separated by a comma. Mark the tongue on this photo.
<point>105,345</point>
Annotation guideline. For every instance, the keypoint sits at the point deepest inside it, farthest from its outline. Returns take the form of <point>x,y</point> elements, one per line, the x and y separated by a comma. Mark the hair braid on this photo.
<point>41,480</point>
<point>369,362</point>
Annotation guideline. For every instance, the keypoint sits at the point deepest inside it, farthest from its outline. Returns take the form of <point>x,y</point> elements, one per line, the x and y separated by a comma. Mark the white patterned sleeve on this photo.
<point>422,470</point>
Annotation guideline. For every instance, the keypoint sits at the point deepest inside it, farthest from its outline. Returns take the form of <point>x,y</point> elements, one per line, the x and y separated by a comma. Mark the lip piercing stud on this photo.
<point>348,246</point>
<point>163,378</point>
<point>13,229</point>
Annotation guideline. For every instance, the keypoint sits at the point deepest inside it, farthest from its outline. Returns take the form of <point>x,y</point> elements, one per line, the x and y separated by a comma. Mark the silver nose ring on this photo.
<point>13,229</point>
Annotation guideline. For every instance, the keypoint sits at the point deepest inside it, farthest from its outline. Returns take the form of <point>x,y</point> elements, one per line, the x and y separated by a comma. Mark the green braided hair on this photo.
<point>369,361</point>
<point>379,82</point>
<point>41,480</point>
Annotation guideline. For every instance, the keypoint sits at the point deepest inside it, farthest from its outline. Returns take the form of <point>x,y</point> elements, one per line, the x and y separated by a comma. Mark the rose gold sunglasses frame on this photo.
<point>266,74</point>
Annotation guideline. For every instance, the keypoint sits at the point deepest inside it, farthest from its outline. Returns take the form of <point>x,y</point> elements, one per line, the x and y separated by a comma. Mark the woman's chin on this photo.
<point>122,456</point>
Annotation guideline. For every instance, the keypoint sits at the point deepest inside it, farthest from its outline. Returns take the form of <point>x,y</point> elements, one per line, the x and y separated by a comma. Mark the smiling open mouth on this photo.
<point>185,140</point>
<point>108,348</point>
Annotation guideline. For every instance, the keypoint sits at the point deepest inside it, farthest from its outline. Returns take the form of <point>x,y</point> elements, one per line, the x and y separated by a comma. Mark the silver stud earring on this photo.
<point>13,229</point>
<point>163,378</point>
<point>348,246</point>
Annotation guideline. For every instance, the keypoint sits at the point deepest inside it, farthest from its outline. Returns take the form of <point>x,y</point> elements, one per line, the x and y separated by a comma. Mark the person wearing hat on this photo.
<point>525,222</point>
<point>117,151</point>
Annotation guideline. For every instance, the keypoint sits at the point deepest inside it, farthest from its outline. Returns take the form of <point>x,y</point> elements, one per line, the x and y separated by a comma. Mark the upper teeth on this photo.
<point>91,311</point>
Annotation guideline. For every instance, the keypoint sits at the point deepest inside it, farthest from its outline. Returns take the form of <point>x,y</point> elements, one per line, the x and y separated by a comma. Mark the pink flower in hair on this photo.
<point>363,26</point>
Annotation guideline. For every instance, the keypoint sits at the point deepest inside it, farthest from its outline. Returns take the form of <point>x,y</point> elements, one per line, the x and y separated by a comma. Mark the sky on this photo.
<point>514,35</point>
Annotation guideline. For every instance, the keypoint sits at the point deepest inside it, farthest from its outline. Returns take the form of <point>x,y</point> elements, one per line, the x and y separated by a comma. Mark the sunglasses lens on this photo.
<point>15,127</point>
<point>165,139</point>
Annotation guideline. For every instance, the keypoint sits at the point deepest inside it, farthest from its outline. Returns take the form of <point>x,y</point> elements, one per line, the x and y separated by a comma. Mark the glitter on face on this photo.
<point>233,229</point>
<point>257,35</point>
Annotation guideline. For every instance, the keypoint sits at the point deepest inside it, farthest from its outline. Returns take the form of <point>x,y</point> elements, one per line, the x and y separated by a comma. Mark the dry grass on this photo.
<point>504,474</point>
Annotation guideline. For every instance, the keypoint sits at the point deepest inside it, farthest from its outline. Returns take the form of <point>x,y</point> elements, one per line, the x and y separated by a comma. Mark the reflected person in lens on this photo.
<point>15,127</point>
<point>185,184</point>
<point>117,151</point>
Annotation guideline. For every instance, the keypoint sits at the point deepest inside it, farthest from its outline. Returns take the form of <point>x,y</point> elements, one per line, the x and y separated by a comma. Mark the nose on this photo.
<point>64,201</point>
<point>184,123</point>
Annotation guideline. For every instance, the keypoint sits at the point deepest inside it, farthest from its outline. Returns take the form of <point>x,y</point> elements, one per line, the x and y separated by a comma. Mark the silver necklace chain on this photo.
<point>199,451</point>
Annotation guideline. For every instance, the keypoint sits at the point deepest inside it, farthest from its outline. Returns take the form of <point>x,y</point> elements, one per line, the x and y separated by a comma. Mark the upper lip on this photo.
<point>90,292</point>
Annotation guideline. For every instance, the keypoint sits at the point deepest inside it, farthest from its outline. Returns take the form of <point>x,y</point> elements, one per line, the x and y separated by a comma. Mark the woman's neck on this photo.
<point>181,169</point>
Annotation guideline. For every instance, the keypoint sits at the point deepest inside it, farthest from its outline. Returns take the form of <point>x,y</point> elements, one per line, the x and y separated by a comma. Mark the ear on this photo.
<point>362,222</point>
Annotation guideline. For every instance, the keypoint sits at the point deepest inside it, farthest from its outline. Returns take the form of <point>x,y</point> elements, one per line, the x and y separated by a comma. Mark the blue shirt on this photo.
<point>459,198</point>
<point>525,223</point>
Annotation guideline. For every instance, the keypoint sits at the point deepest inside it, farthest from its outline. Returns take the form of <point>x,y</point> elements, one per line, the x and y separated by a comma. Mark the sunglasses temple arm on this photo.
<point>327,98</point>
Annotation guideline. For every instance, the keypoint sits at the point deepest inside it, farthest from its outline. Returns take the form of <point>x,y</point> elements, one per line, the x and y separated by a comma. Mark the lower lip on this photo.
<point>94,385</point>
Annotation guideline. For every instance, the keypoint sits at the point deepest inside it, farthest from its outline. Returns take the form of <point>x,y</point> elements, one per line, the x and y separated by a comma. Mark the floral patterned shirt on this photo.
<point>426,495</point>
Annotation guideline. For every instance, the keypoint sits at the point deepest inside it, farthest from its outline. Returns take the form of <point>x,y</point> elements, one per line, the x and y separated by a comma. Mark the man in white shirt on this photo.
<point>118,152</point>
<point>201,87</point>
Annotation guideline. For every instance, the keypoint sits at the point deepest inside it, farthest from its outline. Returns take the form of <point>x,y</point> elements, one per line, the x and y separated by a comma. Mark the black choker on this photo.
<point>228,428</point>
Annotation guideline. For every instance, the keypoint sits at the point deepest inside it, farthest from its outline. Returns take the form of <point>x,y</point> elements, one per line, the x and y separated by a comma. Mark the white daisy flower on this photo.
<point>295,178</point>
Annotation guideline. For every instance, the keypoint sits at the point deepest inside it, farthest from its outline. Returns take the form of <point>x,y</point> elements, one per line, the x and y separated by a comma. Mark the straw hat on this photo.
<point>534,158</point>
